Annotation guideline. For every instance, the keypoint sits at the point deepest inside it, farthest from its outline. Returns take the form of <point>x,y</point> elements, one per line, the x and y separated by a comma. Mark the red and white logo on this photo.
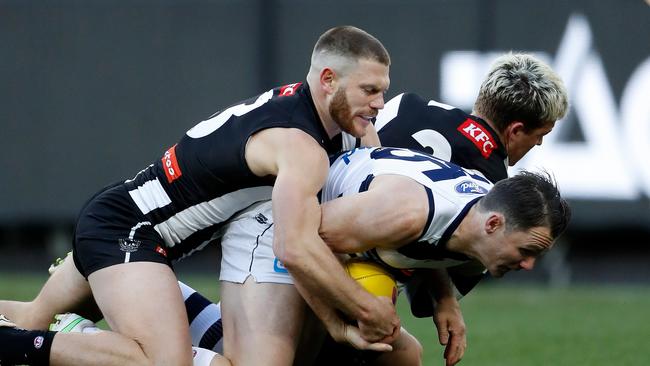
<point>479,136</point>
<point>170,165</point>
<point>160,250</point>
<point>289,90</point>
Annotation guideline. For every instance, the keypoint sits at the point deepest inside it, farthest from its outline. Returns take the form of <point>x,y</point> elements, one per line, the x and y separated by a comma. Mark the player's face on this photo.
<point>359,97</point>
<point>520,142</point>
<point>515,250</point>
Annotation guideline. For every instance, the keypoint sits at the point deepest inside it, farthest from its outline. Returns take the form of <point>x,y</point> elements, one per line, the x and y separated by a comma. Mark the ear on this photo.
<point>514,128</point>
<point>494,221</point>
<point>328,80</point>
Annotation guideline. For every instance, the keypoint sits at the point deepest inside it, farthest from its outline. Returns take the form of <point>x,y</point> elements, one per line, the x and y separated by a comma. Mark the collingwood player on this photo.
<point>276,144</point>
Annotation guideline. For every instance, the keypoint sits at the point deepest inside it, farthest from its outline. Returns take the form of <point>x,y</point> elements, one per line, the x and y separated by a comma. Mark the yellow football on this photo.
<point>373,278</point>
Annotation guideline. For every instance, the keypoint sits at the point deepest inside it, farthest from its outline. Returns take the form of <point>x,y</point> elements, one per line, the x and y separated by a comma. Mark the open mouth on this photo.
<point>369,118</point>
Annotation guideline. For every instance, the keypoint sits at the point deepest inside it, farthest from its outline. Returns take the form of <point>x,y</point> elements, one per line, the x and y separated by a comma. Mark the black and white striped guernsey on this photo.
<point>203,180</point>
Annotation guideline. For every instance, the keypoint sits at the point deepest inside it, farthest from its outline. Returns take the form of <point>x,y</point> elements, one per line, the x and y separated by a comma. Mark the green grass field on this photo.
<point>508,325</point>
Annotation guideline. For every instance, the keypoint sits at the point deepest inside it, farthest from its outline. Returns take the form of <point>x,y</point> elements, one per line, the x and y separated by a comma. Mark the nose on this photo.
<point>527,263</point>
<point>377,103</point>
<point>539,141</point>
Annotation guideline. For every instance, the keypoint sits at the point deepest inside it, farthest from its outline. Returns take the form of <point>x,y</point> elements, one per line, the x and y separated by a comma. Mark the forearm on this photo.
<point>318,274</point>
<point>441,288</point>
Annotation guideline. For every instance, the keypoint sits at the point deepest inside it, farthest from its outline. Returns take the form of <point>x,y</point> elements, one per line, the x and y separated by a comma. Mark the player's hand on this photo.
<point>343,332</point>
<point>352,335</point>
<point>451,329</point>
<point>382,324</point>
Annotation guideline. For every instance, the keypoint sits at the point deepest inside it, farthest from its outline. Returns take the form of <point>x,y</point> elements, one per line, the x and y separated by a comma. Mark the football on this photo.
<point>373,278</point>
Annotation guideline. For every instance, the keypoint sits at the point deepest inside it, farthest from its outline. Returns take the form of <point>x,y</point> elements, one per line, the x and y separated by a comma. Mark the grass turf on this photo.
<point>507,325</point>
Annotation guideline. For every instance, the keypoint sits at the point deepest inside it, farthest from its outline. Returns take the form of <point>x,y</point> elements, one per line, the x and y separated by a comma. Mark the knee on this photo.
<point>171,357</point>
<point>414,350</point>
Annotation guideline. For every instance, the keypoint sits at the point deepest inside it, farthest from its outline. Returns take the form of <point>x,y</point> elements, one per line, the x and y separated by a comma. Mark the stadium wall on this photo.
<point>93,91</point>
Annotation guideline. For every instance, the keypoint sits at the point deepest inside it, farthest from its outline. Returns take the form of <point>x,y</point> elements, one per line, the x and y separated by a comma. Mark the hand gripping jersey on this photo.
<point>451,191</point>
<point>203,180</point>
<point>446,132</point>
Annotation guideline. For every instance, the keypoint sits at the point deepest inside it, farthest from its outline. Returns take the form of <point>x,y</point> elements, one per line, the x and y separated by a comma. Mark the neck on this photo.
<point>491,124</point>
<point>320,102</point>
<point>465,236</point>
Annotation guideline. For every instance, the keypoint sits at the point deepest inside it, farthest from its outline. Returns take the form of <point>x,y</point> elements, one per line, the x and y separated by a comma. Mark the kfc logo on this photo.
<point>289,90</point>
<point>170,165</point>
<point>160,250</point>
<point>479,136</point>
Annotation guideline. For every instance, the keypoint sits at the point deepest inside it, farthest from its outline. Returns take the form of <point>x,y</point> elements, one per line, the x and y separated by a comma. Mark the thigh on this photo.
<point>142,301</point>
<point>65,291</point>
<point>262,322</point>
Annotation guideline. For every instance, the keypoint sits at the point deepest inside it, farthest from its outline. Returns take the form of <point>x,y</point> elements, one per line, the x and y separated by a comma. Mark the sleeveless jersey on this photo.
<point>203,180</point>
<point>446,132</point>
<point>451,190</point>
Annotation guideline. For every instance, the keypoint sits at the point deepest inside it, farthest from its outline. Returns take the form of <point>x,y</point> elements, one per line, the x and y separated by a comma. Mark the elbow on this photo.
<point>412,224</point>
<point>288,253</point>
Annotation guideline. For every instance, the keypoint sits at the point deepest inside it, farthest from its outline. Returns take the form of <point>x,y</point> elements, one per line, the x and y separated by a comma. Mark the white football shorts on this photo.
<point>247,248</point>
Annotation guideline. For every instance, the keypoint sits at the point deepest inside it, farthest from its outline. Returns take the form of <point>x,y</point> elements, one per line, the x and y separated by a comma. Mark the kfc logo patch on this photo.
<point>160,250</point>
<point>479,136</point>
<point>170,165</point>
<point>289,90</point>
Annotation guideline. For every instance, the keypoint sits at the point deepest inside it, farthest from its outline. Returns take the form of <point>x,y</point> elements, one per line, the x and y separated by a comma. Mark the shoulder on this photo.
<point>287,138</point>
<point>275,149</point>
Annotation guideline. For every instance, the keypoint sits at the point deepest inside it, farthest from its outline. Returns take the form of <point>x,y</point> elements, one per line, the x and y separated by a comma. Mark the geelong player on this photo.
<point>128,233</point>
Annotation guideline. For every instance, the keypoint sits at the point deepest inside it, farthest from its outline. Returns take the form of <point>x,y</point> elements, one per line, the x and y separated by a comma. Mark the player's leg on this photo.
<point>262,311</point>
<point>407,351</point>
<point>206,326</point>
<point>133,285</point>
<point>263,317</point>
<point>65,291</point>
<point>142,302</point>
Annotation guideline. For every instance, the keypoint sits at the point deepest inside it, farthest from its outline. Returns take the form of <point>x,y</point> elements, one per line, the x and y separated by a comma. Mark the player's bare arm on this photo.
<point>389,215</point>
<point>448,317</point>
<point>301,166</point>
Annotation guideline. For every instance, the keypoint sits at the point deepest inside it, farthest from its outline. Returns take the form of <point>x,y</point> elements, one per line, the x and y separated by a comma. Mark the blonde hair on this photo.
<point>520,87</point>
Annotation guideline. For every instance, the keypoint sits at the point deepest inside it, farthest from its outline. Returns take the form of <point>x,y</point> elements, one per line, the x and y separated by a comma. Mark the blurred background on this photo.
<point>93,91</point>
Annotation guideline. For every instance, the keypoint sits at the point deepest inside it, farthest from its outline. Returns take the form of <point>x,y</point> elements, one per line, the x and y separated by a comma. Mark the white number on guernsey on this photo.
<point>210,125</point>
<point>436,142</point>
